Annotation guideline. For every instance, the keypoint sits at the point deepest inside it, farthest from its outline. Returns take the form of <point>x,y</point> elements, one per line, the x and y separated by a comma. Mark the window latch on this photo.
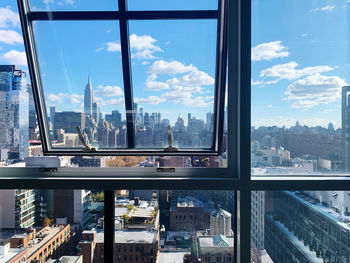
<point>86,148</point>
<point>170,142</point>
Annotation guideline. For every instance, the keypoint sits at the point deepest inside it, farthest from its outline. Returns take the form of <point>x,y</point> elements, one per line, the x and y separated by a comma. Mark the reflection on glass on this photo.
<point>173,66</point>
<point>300,226</point>
<point>73,5</point>
<point>299,70</point>
<point>173,226</point>
<point>80,65</point>
<point>173,5</point>
<point>46,225</point>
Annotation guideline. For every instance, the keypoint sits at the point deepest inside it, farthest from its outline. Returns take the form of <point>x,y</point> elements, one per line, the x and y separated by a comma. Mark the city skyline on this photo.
<point>309,93</point>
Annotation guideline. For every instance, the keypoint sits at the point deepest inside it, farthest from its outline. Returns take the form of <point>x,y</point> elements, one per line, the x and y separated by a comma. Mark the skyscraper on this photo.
<point>345,122</point>
<point>88,99</point>
<point>14,110</point>
<point>52,115</point>
<point>96,112</point>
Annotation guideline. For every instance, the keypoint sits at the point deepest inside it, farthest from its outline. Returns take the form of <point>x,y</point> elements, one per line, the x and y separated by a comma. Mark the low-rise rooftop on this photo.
<point>130,236</point>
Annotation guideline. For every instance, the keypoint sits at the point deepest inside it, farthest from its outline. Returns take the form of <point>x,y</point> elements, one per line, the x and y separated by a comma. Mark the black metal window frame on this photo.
<point>123,16</point>
<point>241,181</point>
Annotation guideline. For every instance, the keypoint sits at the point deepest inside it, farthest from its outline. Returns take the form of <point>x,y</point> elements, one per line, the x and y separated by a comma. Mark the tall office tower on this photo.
<point>72,204</point>
<point>210,121</point>
<point>14,110</point>
<point>257,218</point>
<point>159,118</point>
<point>52,116</point>
<point>189,118</point>
<point>114,118</point>
<point>32,114</point>
<point>17,208</point>
<point>146,119</point>
<point>96,109</point>
<point>345,122</point>
<point>69,121</point>
<point>141,116</point>
<point>88,99</point>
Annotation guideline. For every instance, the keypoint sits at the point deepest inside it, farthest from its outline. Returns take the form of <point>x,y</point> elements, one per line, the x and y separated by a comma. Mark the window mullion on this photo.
<point>109,221</point>
<point>128,93</point>
<point>243,224</point>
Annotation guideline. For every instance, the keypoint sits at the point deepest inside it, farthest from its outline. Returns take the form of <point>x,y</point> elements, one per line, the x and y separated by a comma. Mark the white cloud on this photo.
<point>179,94</point>
<point>10,37</point>
<point>109,91</point>
<point>155,85</point>
<point>143,42</point>
<point>143,45</point>
<point>113,46</point>
<point>59,3</point>
<point>144,54</point>
<point>289,71</point>
<point>8,17</point>
<point>261,82</point>
<point>173,67</point>
<point>145,62</point>
<point>198,102</point>
<point>327,8</point>
<point>269,106</point>
<point>75,98</point>
<point>15,57</point>
<point>153,100</point>
<point>99,49</point>
<point>304,35</point>
<point>56,99</point>
<point>268,51</point>
<point>118,102</point>
<point>314,90</point>
<point>194,78</point>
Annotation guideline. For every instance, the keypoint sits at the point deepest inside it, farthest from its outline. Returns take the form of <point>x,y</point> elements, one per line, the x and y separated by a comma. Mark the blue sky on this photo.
<point>300,56</point>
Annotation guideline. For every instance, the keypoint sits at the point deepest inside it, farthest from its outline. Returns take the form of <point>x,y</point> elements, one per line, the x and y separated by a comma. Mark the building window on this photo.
<point>126,130</point>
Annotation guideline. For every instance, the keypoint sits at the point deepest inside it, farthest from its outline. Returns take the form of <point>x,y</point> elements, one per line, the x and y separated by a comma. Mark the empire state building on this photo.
<point>88,99</point>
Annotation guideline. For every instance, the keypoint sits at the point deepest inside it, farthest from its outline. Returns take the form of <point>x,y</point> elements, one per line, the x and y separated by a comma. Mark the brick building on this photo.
<point>130,246</point>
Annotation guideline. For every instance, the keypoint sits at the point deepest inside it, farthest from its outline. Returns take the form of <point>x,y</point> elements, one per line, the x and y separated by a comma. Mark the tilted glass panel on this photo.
<point>82,83</point>
<point>300,93</point>
<point>173,5</point>
<point>73,5</point>
<point>300,226</point>
<point>173,70</point>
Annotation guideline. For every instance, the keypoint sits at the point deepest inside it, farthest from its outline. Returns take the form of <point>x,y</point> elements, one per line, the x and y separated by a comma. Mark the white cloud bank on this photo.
<point>15,57</point>
<point>10,37</point>
<point>269,50</point>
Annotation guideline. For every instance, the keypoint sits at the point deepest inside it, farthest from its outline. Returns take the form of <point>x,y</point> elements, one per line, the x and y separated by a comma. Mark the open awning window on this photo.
<point>117,78</point>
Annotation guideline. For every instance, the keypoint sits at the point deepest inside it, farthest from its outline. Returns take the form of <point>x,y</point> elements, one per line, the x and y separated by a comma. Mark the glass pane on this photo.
<point>82,83</point>
<point>173,5</point>
<point>46,225</point>
<point>73,5</point>
<point>300,73</point>
<point>173,66</point>
<point>300,226</point>
<point>173,226</point>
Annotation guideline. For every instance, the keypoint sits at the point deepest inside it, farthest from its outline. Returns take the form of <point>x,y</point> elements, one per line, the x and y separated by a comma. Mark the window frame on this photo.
<point>123,16</point>
<point>239,164</point>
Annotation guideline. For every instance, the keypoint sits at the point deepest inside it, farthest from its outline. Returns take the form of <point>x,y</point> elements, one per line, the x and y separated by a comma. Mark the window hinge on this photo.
<point>86,148</point>
<point>170,142</point>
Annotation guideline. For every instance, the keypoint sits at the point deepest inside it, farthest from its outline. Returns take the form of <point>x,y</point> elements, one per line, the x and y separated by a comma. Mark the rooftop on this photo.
<point>130,236</point>
<point>171,257</point>
<point>10,253</point>
<point>216,241</point>
<point>66,259</point>
<point>48,234</point>
<point>325,211</point>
